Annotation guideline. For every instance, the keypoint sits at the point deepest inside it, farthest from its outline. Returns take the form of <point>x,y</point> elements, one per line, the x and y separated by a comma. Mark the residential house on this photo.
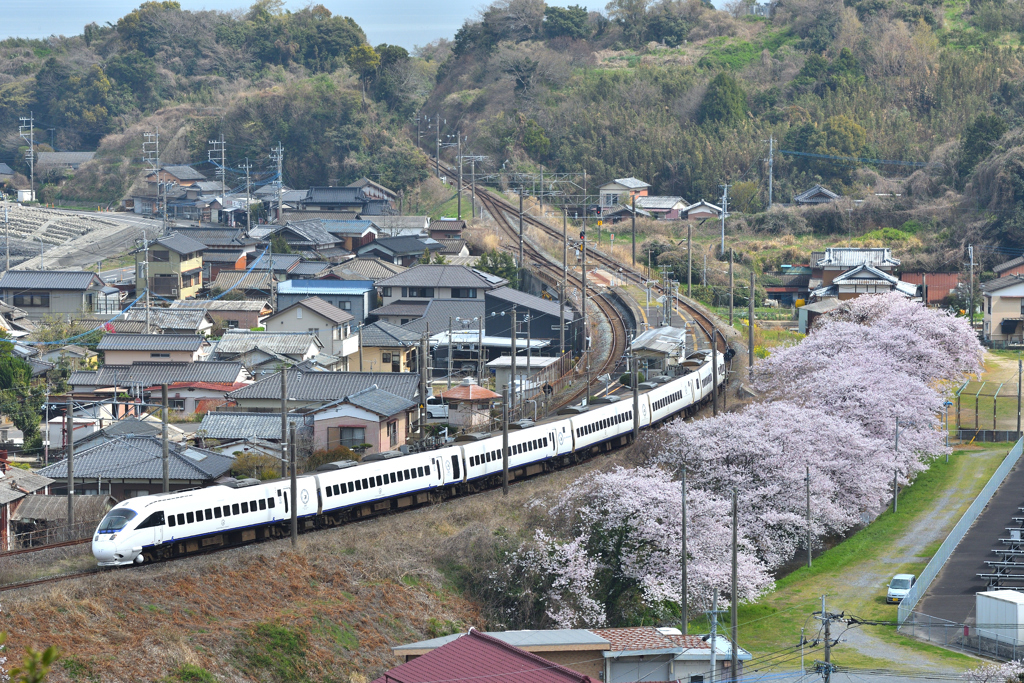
<point>788,285</point>
<point>538,319</point>
<point>15,486</point>
<point>261,351</point>
<point>425,282</point>
<point>1014,266</point>
<point>174,265</point>
<point>808,313</point>
<point>365,268</point>
<point>77,357</point>
<point>41,520</point>
<point>401,312</point>
<point>311,390</point>
<point>125,349</point>
<point>465,315</point>
<point>128,426</point>
<point>935,287</point>
<point>453,248</point>
<point>621,191</point>
<point>310,270</point>
<point>180,175</point>
<point>351,233</point>
<point>216,260</point>
<point>6,173</point>
<point>388,348</point>
<point>1004,309</point>
<point>864,279</point>
<point>402,226</point>
<point>220,238</point>
<point>829,265</point>
<point>405,251</point>
<point>447,229</point>
<point>701,211</point>
<point>668,207</point>
<point>374,190</point>
<point>41,293</point>
<point>256,284</point>
<point>365,199</point>
<point>170,320</point>
<point>195,398</point>
<point>815,195</point>
<point>132,466</point>
<point>369,416</point>
<point>330,324</point>
<point>613,655</point>
<point>301,236</point>
<point>228,314</point>
<point>356,297</point>
<point>54,161</point>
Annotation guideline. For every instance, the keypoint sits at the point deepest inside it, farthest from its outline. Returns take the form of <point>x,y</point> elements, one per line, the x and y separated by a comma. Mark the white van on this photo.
<point>899,586</point>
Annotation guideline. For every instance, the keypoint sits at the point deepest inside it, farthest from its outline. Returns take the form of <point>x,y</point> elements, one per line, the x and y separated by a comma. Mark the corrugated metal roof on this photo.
<point>382,402</point>
<point>314,287</point>
<point>384,334</point>
<point>320,307</point>
<point>219,425</point>
<point>430,275</point>
<point>514,296</point>
<point>667,340</point>
<point>49,279</point>
<point>328,386</point>
<point>235,342</point>
<point>179,243</point>
<point>55,508</point>
<point>151,342</point>
<point>150,373</point>
<point>251,305</point>
<point>631,182</point>
<point>183,172</point>
<point>141,457</point>
<point>439,310</point>
<point>170,318</point>
<point>537,639</point>
<point>256,279</point>
<point>851,257</point>
<point>662,203</point>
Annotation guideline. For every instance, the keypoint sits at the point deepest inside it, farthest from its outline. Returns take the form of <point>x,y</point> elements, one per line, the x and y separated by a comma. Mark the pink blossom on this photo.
<point>1007,672</point>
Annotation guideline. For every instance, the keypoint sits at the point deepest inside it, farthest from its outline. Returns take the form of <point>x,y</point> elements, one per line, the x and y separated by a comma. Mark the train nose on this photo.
<point>103,549</point>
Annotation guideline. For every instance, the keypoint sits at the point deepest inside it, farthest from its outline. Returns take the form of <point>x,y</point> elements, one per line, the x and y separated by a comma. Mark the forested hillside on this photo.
<point>674,92</point>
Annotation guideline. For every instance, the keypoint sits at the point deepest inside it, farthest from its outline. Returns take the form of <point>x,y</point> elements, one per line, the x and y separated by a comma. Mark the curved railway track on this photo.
<point>38,548</point>
<point>498,206</point>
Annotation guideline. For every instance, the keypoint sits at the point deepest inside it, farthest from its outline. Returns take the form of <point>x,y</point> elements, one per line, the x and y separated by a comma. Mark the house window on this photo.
<point>160,355</point>
<point>32,300</point>
<point>393,433</point>
<point>345,436</point>
<point>385,291</point>
<point>418,292</point>
<point>385,358</point>
<point>463,293</point>
<point>177,403</point>
<point>314,330</point>
<point>1021,306</point>
<point>988,303</point>
<point>346,305</point>
<point>161,256</point>
<point>231,324</point>
<point>298,313</point>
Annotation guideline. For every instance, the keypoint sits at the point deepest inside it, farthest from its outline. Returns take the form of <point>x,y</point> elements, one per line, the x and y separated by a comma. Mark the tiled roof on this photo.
<point>356,227</point>
<point>379,401</point>
<point>452,245</point>
<point>49,279</point>
<point>632,183</point>
<point>328,386</point>
<point>366,182</point>
<point>217,237</point>
<point>256,279</point>
<point>476,656</point>
<point>149,373</point>
<point>430,275</point>
<point>647,638</point>
<point>140,457</point>
<point>662,203</point>
<point>401,246</point>
<point>235,342</point>
<point>384,334</point>
<point>851,257</point>
<point>387,223</point>
<point>151,342</point>
<point>442,224</point>
<point>1007,265</point>
<point>809,196</point>
<point>16,482</point>
<point>5,169</point>
<point>222,255</point>
<point>220,425</point>
<point>61,158</point>
<point>469,392</point>
<point>122,326</point>
<point>1001,283</point>
<point>414,308</point>
<point>183,172</point>
<point>179,243</point>
<point>253,305</point>
<point>439,310</point>
<point>514,296</point>
<point>367,268</point>
<point>169,318</point>
<point>282,263</point>
<point>702,203</point>
<point>321,307</point>
<point>55,508</point>
<point>314,287</point>
<point>335,195</point>
<point>309,268</point>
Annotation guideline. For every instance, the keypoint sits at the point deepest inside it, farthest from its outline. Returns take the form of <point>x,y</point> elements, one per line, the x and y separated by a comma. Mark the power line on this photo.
<point>857,159</point>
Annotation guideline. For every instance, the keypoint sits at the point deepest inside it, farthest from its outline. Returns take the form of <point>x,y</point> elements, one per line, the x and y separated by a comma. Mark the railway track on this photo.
<point>38,548</point>
<point>49,579</point>
<point>498,206</point>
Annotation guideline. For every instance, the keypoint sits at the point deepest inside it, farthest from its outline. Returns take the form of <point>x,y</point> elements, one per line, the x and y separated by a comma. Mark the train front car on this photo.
<point>116,539</point>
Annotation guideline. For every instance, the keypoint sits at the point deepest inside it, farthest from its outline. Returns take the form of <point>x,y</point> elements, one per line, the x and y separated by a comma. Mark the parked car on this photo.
<point>437,408</point>
<point>899,586</point>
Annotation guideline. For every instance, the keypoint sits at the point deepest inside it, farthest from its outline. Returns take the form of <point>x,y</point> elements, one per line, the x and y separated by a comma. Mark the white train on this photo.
<point>162,526</point>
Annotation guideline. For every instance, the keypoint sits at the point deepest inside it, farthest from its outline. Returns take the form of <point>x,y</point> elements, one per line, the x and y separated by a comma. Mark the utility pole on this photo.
<point>1018,403</point>
<point>725,210</point>
<point>504,441</point>
<point>211,155</point>
<point>164,439</point>
<point>515,352</point>
<point>771,167</point>
<point>284,427</point>
<point>970,251</point>
<point>145,267</point>
<point>520,227</point>
<point>826,619</point>
<point>734,598</point>
<point>424,353</point>
<point>295,488</point>
<point>7,237</point>
<point>561,294</point>
<point>731,285</point>
<point>359,332</point>
<point>714,633</point>
<point>636,395</point>
<point>69,422</point>
<point>277,154</point>
<point>682,595</point>
<point>689,258</point>
<point>437,157</point>
<point>450,347</point>
<point>46,421</point>
<point>634,232</point>
<point>750,321</point>
<point>27,130</point>
<point>248,200</point>
<point>896,472</point>
<point>459,213</point>
<point>807,482</point>
<point>714,372</point>
<point>480,351</point>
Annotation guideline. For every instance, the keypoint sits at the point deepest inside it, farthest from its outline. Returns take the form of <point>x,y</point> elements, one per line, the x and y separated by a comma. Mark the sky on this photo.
<point>399,22</point>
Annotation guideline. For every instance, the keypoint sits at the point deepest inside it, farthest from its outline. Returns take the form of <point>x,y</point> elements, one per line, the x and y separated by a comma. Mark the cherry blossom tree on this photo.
<point>1007,672</point>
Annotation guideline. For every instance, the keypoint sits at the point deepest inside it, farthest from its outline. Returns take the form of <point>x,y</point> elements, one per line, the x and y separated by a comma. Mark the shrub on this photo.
<point>276,649</point>
<point>323,457</point>
<point>627,379</point>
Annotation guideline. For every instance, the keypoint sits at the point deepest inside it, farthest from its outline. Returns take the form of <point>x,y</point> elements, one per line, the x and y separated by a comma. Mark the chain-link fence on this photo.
<point>49,535</point>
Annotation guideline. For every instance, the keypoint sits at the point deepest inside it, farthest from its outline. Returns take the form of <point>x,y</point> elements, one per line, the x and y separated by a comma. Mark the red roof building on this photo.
<point>483,659</point>
<point>939,285</point>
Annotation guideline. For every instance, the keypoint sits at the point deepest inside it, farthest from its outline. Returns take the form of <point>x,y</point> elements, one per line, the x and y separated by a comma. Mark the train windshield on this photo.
<point>116,519</point>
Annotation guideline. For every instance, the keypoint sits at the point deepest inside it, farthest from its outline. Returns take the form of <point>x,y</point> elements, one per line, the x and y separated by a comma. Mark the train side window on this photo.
<point>337,492</point>
<point>234,509</point>
<point>252,506</point>
<point>359,487</point>
<point>263,504</point>
<point>270,503</point>
<point>245,508</point>
<point>330,491</point>
<point>171,521</point>
<point>419,471</point>
<point>209,513</point>
<point>401,477</point>
<point>190,517</point>
<point>407,477</point>
<point>216,512</point>
<point>365,485</point>
<point>392,477</point>
<point>380,482</point>
<point>181,518</point>
<point>154,520</point>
